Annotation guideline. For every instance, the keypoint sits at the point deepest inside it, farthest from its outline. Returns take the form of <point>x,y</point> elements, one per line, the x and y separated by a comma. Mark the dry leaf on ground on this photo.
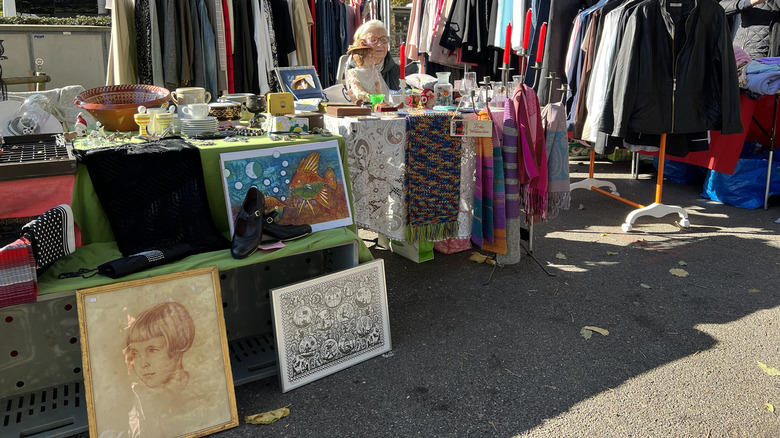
<point>267,417</point>
<point>678,272</point>
<point>769,370</point>
<point>585,333</point>
<point>646,286</point>
<point>600,330</point>
<point>753,291</point>
<point>560,256</point>
<point>682,263</point>
<point>612,253</point>
<point>769,407</point>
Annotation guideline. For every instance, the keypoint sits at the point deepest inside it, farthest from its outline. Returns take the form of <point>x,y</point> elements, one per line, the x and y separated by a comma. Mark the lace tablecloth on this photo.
<point>375,153</point>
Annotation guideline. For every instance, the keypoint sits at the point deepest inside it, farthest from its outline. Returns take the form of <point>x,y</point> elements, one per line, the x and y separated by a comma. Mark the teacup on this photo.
<point>416,100</point>
<point>195,110</point>
<point>188,95</point>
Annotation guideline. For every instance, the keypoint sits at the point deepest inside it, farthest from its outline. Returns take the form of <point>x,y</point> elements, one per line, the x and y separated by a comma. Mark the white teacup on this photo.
<point>189,95</point>
<point>195,110</point>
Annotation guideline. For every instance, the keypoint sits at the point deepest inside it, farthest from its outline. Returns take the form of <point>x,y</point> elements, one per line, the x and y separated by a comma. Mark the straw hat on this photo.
<point>360,47</point>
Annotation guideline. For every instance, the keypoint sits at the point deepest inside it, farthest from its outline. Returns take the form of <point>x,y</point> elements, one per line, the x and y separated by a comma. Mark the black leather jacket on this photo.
<point>674,72</point>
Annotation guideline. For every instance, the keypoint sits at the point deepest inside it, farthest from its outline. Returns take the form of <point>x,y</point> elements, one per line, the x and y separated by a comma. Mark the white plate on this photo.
<point>9,107</point>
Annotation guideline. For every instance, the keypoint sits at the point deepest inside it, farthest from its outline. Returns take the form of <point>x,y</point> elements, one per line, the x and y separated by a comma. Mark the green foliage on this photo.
<point>80,20</point>
<point>399,2</point>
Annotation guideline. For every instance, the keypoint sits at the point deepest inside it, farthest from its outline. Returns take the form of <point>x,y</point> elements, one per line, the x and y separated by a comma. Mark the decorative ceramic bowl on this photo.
<point>225,110</point>
<point>114,105</point>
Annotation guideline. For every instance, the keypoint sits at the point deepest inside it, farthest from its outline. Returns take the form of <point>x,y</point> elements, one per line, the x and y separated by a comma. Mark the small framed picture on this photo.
<point>458,128</point>
<point>155,357</point>
<point>302,81</point>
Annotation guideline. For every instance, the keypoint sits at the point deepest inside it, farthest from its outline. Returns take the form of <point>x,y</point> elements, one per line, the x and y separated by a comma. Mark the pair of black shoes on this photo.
<point>252,226</point>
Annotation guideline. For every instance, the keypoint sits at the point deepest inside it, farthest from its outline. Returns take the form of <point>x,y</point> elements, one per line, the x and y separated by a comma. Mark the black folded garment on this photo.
<point>154,196</point>
<point>143,260</point>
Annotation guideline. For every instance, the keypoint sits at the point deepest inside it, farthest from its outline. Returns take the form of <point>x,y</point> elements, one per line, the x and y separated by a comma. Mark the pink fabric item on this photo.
<point>741,56</point>
<point>18,278</point>
<point>32,197</point>
<point>452,245</point>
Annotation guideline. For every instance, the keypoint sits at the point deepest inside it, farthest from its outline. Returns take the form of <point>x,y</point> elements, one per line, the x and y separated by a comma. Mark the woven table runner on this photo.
<point>432,177</point>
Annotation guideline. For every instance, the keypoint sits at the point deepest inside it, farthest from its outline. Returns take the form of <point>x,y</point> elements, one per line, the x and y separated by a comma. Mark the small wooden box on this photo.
<point>347,110</point>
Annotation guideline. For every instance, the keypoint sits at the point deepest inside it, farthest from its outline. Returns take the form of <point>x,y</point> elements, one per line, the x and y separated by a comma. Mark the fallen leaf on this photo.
<point>560,256</point>
<point>769,407</point>
<point>682,263</point>
<point>612,253</point>
<point>267,417</point>
<point>581,207</point>
<point>585,333</point>
<point>646,286</point>
<point>600,330</point>
<point>477,257</point>
<point>603,234</point>
<point>753,291</point>
<point>769,370</point>
<point>678,272</point>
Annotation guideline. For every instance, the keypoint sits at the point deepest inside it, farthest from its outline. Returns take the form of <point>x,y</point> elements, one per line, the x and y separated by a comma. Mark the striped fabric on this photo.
<point>498,245</point>
<point>482,227</point>
<point>18,279</point>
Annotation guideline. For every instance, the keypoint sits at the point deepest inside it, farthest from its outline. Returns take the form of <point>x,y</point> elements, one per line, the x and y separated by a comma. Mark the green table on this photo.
<point>98,239</point>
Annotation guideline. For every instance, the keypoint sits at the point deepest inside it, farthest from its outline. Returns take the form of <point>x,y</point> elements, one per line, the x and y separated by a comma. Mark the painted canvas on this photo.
<point>330,323</point>
<point>303,184</point>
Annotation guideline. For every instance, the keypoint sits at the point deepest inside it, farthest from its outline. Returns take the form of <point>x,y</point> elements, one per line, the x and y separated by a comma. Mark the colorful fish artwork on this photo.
<point>309,186</point>
<point>302,184</point>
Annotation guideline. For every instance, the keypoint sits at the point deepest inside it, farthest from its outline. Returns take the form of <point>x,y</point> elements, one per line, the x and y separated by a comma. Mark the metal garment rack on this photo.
<point>771,153</point>
<point>656,209</point>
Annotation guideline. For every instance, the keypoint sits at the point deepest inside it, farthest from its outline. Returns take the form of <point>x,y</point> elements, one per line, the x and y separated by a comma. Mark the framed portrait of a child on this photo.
<point>155,357</point>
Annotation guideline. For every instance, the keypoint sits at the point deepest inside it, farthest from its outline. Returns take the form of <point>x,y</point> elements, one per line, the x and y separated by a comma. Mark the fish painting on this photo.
<point>274,204</point>
<point>308,185</point>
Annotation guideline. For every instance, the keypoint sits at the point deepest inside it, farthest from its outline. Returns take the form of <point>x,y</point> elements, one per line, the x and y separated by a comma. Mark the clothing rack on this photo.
<point>656,209</point>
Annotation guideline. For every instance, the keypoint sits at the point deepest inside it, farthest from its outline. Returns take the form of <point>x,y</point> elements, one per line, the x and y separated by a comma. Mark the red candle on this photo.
<point>508,43</point>
<point>540,46</point>
<point>527,31</point>
<point>403,60</point>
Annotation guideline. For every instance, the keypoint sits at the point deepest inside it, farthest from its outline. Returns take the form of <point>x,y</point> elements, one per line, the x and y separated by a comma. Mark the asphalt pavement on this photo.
<point>691,315</point>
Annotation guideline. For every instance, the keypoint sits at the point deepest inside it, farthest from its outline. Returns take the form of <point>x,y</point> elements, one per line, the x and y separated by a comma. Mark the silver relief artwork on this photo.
<point>330,323</point>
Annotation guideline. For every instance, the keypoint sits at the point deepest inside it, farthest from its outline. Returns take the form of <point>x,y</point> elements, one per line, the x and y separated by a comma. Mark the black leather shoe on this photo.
<point>248,226</point>
<point>285,233</point>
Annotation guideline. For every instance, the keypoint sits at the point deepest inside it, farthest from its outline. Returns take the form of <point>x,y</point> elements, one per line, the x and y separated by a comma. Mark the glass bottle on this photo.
<point>443,90</point>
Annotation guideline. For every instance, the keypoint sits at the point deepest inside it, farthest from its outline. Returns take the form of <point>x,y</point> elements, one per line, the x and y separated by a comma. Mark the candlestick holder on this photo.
<point>524,55</point>
<point>537,69</point>
<point>551,77</point>
<point>505,69</point>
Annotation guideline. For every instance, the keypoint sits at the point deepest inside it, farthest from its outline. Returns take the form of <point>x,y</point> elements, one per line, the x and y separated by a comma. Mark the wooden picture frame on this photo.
<point>329,323</point>
<point>155,356</point>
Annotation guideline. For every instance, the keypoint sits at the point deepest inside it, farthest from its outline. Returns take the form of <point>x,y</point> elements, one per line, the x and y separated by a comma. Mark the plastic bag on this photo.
<point>745,188</point>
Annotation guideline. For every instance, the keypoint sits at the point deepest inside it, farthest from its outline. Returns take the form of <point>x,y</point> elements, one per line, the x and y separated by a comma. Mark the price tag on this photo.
<point>471,128</point>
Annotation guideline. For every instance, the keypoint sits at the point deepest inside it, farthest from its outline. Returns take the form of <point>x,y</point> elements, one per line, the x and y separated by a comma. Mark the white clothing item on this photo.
<point>518,24</point>
<point>599,75</point>
<point>427,26</point>
<point>263,44</point>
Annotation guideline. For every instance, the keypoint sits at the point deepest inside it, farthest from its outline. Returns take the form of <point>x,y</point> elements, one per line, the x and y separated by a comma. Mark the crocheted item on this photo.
<point>432,177</point>
<point>558,184</point>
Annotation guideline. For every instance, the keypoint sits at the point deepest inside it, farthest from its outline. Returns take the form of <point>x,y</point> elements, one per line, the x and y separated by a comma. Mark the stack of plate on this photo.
<point>193,127</point>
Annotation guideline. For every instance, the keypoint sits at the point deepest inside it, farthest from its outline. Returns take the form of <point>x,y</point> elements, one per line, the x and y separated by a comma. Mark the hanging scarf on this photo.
<point>482,227</point>
<point>498,245</point>
<point>532,154</point>
<point>558,191</point>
